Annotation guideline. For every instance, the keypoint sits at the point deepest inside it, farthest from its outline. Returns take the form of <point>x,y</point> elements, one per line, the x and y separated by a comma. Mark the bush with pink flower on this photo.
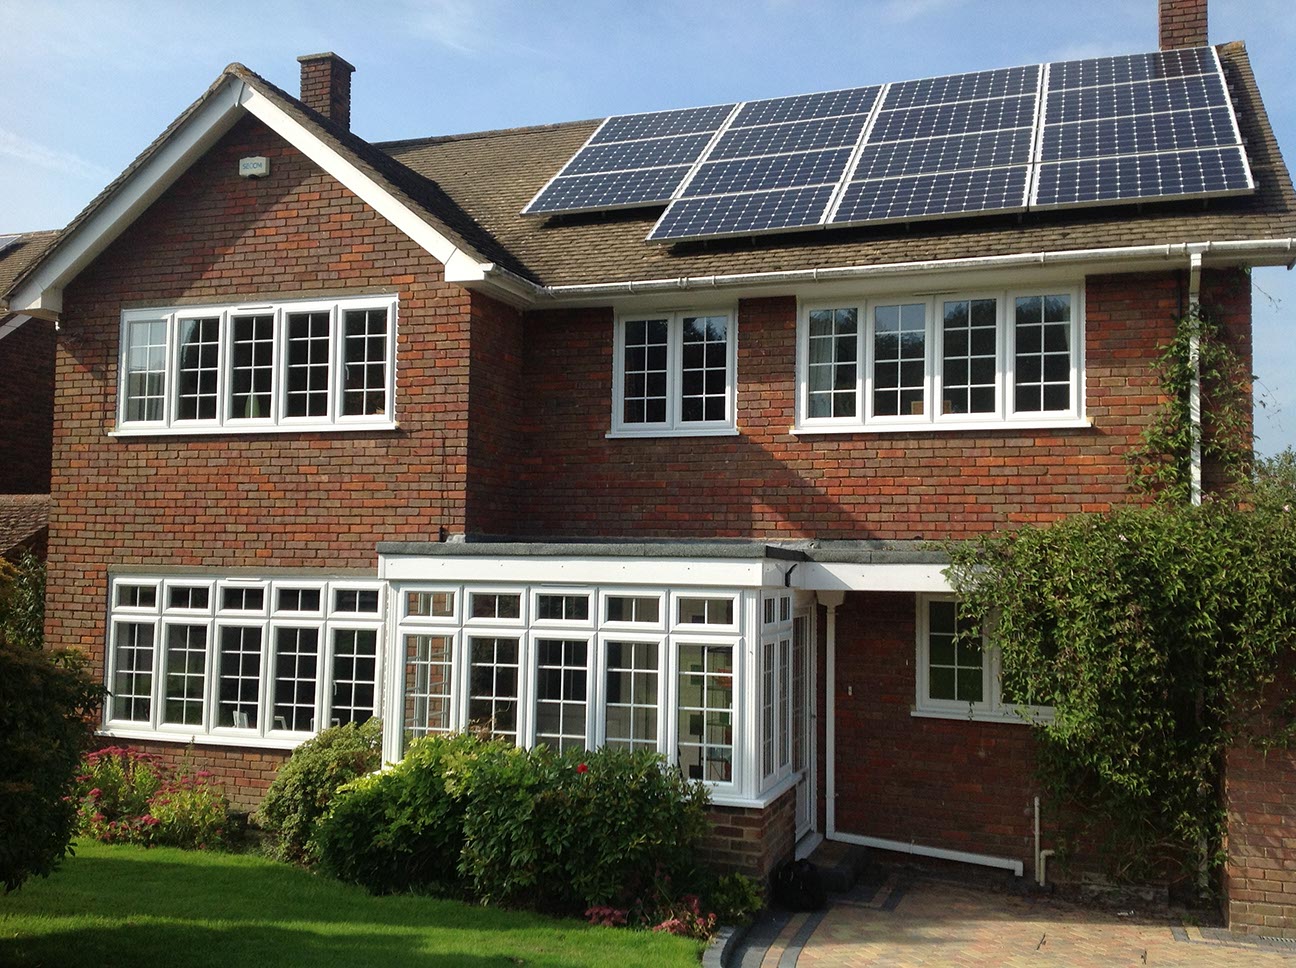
<point>125,795</point>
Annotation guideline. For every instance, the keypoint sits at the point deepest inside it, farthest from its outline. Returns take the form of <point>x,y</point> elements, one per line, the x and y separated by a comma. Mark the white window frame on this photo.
<point>268,620</point>
<point>225,422</point>
<point>674,425</point>
<point>663,608</point>
<point>612,634</point>
<point>1004,416</point>
<point>591,615</point>
<point>992,708</point>
<point>531,673</point>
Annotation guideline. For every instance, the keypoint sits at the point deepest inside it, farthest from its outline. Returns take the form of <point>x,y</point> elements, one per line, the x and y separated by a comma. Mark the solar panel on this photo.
<point>1082,132</point>
<point>631,160</point>
<point>1146,128</point>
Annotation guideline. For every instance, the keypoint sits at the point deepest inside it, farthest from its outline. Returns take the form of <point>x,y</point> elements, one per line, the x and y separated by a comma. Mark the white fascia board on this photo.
<point>12,324</point>
<point>671,572</point>
<point>852,577</point>
<point>41,294</point>
<point>461,267</point>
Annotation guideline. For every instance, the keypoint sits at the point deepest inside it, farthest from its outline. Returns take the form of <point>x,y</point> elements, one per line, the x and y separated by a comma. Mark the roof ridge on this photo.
<point>478,135</point>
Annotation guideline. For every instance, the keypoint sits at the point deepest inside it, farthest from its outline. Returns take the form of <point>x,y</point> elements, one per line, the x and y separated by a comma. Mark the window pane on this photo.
<point>355,670</point>
<point>240,676</point>
<point>197,368</point>
<point>188,596</point>
<point>706,611</point>
<point>969,363</point>
<point>356,600</point>
<point>298,600</point>
<point>295,674</point>
<point>560,693</point>
<point>364,367</point>
<point>252,352</point>
<point>631,700</point>
<point>429,604</point>
<point>132,687</point>
<point>308,364</point>
<point>559,608</point>
<point>137,596</point>
<point>489,605</point>
<point>238,599</point>
<point>427,684</point>
<point>704,375</point>
<point>634,608</point>
<point>145,369</point>
<point>955,666</point>
<point>831,369</point>
<point>1043,356</point>
<point>768,707</point>
<point>899,359</point>
<point>645,368</point>
<point>493,687</point>
<point>186,675</point>
<point>706,712</point>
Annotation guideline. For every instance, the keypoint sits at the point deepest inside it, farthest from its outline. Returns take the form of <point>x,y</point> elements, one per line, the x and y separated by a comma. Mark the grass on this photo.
<point>128,906</point>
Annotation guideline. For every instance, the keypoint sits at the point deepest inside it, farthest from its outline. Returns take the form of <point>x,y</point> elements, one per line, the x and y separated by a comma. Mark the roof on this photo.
<point>492,175</point>
<point>16,258</point>
<point>461,196</point>
<point>22,517</point>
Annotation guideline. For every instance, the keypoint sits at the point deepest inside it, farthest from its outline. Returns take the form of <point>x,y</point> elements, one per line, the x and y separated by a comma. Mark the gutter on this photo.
<point>1264,251</point>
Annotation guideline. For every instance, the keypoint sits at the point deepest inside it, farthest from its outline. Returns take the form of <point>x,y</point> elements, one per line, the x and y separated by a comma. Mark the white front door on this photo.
<point>803,696</point>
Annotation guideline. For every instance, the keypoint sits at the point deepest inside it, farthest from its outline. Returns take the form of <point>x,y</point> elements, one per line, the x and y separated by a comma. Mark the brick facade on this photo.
<point>27,413</point>
<point>767,483</point>
<point>750,841</point>
<point>1260,797</point>
<point>944,783</point>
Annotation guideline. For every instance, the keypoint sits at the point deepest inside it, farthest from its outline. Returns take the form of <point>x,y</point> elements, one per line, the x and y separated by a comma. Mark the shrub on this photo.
<point>402,829</point>
<point>577,829</point>
<point>126,795</point>
<point>736,898</point>
<point>562,831</point>
<point>46,700</point>
<point>305,785</point>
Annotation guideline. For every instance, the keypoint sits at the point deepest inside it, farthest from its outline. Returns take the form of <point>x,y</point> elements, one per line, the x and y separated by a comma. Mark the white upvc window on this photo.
<point>240,660</point>
<point>962,360</point>
<point>959,678</point>
<point>674,374</point>
<point>629,666</point>
<point>776,692</point>
<point>299,364</point>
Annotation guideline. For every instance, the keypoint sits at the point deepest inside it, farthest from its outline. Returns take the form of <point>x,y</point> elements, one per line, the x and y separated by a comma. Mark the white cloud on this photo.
<point>52,159</point>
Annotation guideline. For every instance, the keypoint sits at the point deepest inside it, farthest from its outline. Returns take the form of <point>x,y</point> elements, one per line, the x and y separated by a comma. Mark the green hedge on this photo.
<point>305,785</point>
<point>562,831</point>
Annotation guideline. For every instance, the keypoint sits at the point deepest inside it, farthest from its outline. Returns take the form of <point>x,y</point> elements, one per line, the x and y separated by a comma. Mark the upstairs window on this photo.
<point>674,375</point>
<point>307,364</point>
<point>974,361</point>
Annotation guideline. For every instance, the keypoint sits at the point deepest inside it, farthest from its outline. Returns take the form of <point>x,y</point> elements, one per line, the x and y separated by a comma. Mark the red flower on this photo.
<point>582,768</point>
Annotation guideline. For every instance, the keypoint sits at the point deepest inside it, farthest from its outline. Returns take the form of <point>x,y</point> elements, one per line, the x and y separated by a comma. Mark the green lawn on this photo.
<point>127,906</point>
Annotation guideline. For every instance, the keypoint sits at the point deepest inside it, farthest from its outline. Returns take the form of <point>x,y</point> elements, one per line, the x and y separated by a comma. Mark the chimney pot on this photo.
<point>326,86</point>
<point>1182,23</point>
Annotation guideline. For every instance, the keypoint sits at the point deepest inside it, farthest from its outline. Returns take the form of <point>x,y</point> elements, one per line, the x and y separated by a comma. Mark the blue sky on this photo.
<point>85,85</point>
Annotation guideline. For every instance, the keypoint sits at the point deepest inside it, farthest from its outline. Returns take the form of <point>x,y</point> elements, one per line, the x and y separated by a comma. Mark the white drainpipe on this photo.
<point>1194,358</point>
<point>831,601</point>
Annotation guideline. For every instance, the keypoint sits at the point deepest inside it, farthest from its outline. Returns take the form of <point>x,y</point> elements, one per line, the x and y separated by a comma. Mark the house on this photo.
<point>27,408</point>
<point>340,432</point>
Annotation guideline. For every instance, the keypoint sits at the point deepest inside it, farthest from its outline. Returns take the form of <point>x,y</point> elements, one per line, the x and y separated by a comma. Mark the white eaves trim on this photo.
<point>41,294</point>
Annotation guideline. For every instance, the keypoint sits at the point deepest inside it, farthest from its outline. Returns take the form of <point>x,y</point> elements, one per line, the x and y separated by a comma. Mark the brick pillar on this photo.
<point>1182,23</point>
<point>326,86</point>
<point>1260,869</point>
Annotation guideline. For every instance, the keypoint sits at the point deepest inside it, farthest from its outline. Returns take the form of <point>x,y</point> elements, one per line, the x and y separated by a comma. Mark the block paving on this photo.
<point>912,921</point>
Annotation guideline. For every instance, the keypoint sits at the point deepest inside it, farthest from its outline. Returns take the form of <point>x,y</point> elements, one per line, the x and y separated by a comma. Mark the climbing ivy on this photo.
<point>1153,630</point>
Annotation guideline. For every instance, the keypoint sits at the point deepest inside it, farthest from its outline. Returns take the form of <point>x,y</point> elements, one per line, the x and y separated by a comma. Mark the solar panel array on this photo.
<point>1100,131</point>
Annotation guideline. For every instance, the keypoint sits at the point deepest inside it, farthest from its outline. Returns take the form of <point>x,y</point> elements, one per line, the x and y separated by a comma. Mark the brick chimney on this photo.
<point>326,86</point>
<point>1182,23</point>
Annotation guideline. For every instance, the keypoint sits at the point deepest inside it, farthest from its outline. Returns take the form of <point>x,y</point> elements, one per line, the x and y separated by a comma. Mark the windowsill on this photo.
<point>242,431</point>
<point>1001,426</point>
<point>1027,718</point>
<point>699,432</point>
<point>200,739</point>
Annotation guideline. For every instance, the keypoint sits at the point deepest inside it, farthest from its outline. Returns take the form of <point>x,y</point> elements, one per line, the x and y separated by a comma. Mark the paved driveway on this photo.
<point>901,920</point>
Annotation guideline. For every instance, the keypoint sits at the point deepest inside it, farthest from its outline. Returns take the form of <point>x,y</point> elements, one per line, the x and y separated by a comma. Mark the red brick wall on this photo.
<point>750,841</point>
<point>244,774</point>
<point>310,500</point>
<point>1260,874</point>
<point>27,407</point>
<point>496,402</point>
<point>935,782</point>
<point>767,483</point>
<point>1181,23</point>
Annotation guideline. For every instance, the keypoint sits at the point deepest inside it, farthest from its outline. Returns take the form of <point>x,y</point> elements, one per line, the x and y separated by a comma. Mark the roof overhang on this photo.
<point>39,292</point>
